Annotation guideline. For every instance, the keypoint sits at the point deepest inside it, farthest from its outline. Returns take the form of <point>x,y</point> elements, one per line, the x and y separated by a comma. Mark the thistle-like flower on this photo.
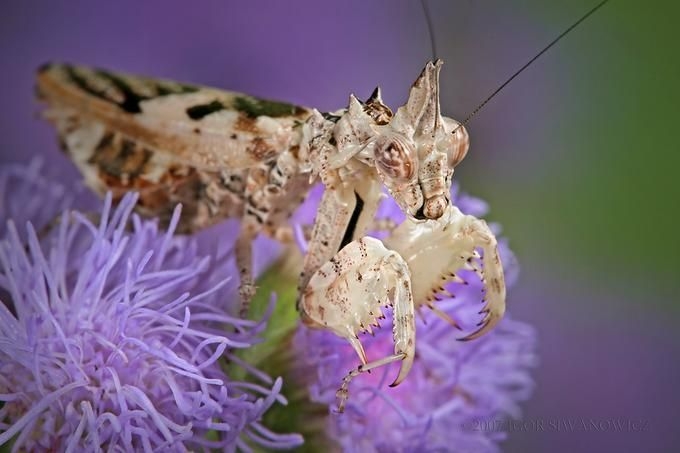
<point>27,194</point>
<point>454,388</point>
<point>111,339</point>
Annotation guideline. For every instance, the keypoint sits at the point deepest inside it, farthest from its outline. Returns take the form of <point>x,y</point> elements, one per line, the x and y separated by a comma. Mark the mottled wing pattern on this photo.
<point>170,141</point>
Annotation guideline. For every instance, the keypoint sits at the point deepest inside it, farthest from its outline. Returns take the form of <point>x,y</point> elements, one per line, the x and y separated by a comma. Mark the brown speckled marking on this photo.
<point>376,109</point>
<point>496,285</point>
<point>260,150</point>
<point>120,157</point>
<point>362,248</point>
<point>337,267</point>
<point>246,124</point>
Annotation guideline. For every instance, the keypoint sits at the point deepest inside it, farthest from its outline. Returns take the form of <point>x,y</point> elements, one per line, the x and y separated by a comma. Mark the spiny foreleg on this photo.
<point>435,250</point>
<point>346,211</point>
<point>492,277</point>
<point>346,295</point>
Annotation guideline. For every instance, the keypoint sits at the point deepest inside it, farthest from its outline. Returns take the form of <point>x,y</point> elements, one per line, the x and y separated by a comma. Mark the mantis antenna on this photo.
<point>428,19</point>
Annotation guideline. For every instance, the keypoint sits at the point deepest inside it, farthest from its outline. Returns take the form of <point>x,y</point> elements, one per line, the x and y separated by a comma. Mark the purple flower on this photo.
<point>26,194</point>
<point>453,388</point>
<point>112,339</point>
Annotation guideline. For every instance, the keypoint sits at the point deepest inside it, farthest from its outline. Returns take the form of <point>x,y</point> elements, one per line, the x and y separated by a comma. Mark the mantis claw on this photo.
<point>439,248</point>
<point>346,296</point>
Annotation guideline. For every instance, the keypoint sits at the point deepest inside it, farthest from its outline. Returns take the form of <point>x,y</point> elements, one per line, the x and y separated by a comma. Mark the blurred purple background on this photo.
<point>609,350</point>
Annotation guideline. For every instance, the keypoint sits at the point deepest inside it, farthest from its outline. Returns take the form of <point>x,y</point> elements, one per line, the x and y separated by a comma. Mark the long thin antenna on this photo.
<point>428,19</point>
<point>545,49</point>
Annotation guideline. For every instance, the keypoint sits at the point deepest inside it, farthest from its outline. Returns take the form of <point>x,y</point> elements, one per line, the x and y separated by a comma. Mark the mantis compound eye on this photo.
<point>456,143</point>
<point>395,160</point>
